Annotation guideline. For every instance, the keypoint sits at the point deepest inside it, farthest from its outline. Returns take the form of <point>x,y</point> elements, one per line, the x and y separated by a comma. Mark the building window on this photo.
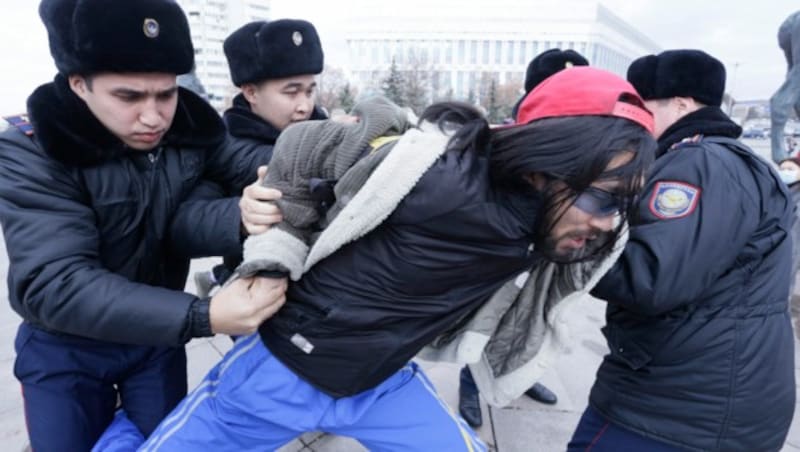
<point>462,52</point>
<point>437,48</point>
<point>398,52</point>
<point>535,48</point>
<point>471,86</point>
<point>485,56</point>
<point>510,50</point>
<point>498,52</point>
<point>473,52</point>
<point>523,57</point>
<point>448,52</point>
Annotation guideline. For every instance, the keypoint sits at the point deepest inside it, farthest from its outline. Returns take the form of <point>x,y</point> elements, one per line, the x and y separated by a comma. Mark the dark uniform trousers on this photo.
<point>595,433</point>
<point>73,384</point>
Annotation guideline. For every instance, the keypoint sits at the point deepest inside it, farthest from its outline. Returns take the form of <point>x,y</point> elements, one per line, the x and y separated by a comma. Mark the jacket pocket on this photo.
<point>625,348</point>
<point>191,168</point>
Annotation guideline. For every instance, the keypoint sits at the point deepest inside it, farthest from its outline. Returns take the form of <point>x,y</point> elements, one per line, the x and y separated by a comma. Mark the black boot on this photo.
<point>540,393</point>
<point>469,403</point>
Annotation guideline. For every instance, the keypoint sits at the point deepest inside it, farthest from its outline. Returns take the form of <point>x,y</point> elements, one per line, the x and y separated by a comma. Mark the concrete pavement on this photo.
<point>525,425</point>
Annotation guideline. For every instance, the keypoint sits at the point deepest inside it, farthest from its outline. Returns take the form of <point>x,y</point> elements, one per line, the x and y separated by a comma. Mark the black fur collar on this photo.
<point>70,133</point>
<point>243,123</point>
<point>705,121</point>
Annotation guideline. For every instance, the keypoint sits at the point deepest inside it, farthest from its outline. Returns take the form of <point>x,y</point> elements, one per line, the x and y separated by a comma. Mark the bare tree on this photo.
<point>417,93</point>
<point>508,94</point>
<point>332,82</point>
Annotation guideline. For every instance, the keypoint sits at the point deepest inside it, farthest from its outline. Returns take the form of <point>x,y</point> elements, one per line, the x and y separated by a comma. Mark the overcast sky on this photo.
<point>742,33</point>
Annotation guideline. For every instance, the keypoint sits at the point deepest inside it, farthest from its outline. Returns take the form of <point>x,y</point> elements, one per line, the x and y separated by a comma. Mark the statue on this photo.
<point>788,95</point>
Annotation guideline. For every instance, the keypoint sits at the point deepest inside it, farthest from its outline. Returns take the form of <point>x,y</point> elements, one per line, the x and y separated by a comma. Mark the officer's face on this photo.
<point>585,221</point>
<point>137,108</point>
<point>282,101</point>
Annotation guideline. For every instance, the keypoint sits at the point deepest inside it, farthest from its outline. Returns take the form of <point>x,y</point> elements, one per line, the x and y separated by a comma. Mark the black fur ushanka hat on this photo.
<point>548,63</point>
<point>264,50</point>
<point>91,36</point>
<point>679,73</point>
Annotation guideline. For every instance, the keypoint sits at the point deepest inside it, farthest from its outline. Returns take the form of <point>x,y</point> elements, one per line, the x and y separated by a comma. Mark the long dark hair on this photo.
<point>571,151</point>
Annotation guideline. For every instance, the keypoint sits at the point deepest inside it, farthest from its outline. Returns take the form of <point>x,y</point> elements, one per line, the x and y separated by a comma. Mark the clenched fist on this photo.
<point>258,210</point>
<point>239,308</point>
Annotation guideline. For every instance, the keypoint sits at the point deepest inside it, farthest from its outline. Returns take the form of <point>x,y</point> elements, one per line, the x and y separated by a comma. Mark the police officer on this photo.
<point>275,65</point>
<point>91,205</point>
<point>701,347</point>
<point>544,65</point>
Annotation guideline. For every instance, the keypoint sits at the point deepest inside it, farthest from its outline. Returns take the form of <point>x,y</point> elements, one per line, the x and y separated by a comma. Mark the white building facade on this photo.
<point>211,21</point>
<point>459,45</point>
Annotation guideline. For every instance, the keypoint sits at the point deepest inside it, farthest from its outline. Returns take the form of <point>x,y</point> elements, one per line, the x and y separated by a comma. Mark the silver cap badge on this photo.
<point>151,28</point>
<point>297,38</point>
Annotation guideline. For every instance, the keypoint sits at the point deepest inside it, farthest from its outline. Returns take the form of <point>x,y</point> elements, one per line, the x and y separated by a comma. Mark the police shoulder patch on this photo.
<point>673,199</point>
<point>21,122</point>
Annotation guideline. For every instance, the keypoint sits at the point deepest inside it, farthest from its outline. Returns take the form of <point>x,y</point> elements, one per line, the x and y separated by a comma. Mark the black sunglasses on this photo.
<point>599,202</point>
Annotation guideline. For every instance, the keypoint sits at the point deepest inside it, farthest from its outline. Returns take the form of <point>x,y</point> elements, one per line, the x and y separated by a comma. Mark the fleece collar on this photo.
<point>710,121</point>
<point>70,133</point>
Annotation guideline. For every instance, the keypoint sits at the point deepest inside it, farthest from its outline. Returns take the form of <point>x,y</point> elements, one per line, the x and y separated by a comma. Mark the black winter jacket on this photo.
<point>701,346</point>
<point>97,236</point>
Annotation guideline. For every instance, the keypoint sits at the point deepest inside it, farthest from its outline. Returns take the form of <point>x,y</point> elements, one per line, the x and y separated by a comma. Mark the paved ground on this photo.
<point>523,426</point>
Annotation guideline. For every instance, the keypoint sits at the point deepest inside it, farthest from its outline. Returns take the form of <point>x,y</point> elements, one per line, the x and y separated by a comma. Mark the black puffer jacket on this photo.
<point>90,224</point>
<point>702,352</point>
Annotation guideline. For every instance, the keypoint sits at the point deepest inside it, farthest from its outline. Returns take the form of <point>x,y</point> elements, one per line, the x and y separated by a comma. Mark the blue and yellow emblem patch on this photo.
<point>671,199</point>
<point>21,122</point>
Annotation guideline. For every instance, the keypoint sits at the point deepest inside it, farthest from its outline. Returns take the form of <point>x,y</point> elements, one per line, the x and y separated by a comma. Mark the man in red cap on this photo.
<point>471,239</point>
<point>544,65</point>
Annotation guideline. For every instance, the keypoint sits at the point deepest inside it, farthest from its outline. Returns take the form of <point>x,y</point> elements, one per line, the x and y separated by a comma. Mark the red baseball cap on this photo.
<point>584,91</point>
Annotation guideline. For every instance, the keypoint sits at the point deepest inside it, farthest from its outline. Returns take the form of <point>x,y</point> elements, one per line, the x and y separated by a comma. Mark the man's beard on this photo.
<point>599,246</point>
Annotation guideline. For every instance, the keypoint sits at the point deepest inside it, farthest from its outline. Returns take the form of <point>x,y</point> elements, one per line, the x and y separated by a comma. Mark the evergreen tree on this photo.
<point>493,107</point>
<point>346,97</point>
<point>471,97</point>
<point>394,85</point>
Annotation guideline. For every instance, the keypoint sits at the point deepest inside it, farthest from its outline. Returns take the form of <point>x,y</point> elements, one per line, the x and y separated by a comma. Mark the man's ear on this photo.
<point>687,105</point>
<point>249,92</point>
<point>77,83</point>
